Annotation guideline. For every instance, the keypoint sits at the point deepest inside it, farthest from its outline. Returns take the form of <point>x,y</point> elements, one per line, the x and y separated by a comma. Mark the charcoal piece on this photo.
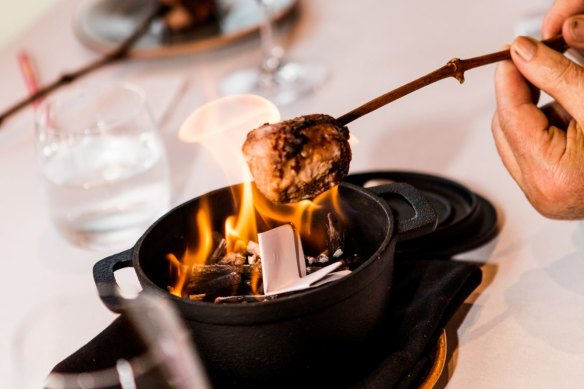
<point>201,278</point>
<point>323,259</point>
<point>335,236</point>
<point>227,281</point>
<point>220,245</point>
<point>253,259</point>
<point>233,259</point>
<point>253,248</point>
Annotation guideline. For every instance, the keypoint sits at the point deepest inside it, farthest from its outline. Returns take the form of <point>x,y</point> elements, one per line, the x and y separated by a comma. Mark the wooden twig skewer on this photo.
<point>454,68</point>
<point>117,54</point>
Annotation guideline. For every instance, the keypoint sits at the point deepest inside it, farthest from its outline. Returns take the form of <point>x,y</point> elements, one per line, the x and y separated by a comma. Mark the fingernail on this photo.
<point>577,28</point>
<point>524,47</point>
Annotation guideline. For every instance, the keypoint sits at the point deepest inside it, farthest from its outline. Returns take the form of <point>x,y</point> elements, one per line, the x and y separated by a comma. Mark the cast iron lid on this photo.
<point>466,220</point>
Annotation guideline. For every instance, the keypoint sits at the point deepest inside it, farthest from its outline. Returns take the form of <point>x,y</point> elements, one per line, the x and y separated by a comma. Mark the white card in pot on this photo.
<point>280,251</point>
<point>283,263</point>
<point>317,278</point>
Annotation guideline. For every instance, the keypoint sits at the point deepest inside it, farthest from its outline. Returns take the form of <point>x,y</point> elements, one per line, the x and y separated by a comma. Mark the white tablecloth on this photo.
<point>522,328</point>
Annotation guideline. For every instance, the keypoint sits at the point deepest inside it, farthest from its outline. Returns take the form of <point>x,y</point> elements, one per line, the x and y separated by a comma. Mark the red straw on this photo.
<point>31,80</point>
<point>29,74</point>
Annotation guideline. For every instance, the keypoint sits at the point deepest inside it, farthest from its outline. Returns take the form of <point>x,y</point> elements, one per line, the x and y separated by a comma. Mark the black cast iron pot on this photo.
<point>254,343</point>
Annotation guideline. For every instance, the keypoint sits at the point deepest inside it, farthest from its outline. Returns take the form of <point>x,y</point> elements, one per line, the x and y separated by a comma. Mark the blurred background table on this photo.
<point>522,328</point>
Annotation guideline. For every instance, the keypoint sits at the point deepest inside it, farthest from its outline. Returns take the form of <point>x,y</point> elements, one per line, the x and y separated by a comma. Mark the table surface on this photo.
<point>521,328</point>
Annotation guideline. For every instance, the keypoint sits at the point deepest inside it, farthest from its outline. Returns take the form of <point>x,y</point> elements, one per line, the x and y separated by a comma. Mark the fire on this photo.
<point>232,118</point>
<point>242,227</point>
<point>299,214</point>
<point>197,255</point>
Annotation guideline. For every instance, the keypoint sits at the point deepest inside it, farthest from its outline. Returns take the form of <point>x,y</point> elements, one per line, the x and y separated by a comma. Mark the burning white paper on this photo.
<point>283,263</point>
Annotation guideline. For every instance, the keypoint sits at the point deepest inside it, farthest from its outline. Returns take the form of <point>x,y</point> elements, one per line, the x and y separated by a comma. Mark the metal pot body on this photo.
<point>266,341</point>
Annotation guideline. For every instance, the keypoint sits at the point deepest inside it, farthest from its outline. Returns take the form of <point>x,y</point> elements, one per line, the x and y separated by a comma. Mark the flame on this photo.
<point>238,113</point>
<point>194,255</point>
<point>231,118</point>
<point>242,228</point>
<point>299,214</point>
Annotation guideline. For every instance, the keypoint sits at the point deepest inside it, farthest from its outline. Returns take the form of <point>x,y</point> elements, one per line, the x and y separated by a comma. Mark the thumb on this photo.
<point>551,72</point>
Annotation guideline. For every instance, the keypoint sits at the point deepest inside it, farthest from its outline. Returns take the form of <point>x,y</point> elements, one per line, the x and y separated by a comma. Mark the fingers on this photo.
<point>505,151</point>
<point>557,115</point>
<point>509,86</point>
<point>573,32</point>
<point>543,149</point>
<point>558,13</point>
<point>521,124</point>
<point>551,72</point>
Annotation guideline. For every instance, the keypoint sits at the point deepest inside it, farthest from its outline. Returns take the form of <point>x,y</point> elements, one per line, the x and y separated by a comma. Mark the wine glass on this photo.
<point>73,342</point>
<point>280,81</point>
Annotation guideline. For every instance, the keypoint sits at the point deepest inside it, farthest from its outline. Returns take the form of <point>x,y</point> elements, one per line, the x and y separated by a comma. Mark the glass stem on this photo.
<point>271,52</point>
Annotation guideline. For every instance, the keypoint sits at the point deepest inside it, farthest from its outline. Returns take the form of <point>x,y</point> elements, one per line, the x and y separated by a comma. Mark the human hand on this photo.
<point>564,16</point>
<point>544,156</point>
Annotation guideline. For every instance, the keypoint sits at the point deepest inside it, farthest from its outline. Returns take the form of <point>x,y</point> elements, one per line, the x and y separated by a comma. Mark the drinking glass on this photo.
<point>279,81</point>
<point>103,164</point>
<point>61,326</point>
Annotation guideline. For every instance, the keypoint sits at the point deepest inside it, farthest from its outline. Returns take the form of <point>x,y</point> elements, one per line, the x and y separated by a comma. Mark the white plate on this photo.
<point>103,24</point>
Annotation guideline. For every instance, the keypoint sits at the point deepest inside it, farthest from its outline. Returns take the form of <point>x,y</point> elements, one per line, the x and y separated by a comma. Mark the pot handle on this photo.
<point>107,287</point>
<point>424,219</point>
